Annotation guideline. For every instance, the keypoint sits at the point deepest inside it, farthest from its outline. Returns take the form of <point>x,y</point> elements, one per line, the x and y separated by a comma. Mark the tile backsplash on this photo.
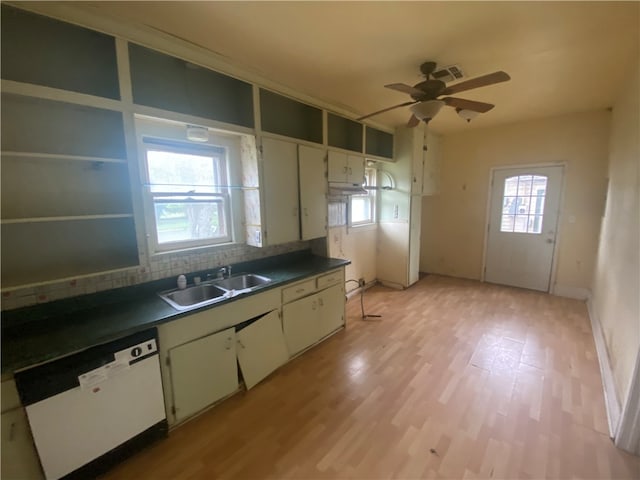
<point>159,267</point>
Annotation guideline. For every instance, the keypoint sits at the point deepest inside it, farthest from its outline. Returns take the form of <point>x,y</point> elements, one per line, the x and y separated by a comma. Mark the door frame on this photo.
<point>487,219</point>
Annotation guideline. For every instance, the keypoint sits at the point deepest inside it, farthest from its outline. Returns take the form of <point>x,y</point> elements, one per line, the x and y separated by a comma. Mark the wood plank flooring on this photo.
<point>458,379</point>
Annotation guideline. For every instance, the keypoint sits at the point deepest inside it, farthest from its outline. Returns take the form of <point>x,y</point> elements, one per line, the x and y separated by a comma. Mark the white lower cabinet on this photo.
<point>332,309</point>
<point>261,348</point>
<point>301,323</point>
<point>202,372</point>
<point>19,457</point>
<point>307,320</point>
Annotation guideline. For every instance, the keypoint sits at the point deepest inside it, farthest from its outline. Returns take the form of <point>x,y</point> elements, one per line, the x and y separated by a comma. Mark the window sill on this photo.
<point>364,226</point>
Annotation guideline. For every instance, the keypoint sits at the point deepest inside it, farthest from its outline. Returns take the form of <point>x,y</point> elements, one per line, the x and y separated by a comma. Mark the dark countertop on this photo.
<point>36,334</point>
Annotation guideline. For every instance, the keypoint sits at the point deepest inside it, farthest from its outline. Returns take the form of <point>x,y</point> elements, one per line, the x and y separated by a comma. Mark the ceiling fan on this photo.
<point>426,104</point>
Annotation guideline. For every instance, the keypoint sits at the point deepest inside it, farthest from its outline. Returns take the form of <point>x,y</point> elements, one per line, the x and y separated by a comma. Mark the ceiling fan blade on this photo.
<point>490,79</point>
<point>464,104</point>
<point>413,121</point>
<point>403,87</point>
<point>385,110</point>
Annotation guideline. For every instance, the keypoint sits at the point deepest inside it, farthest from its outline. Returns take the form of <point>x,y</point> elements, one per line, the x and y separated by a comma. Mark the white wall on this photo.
<point>358,245</point>
<point>453,222</point>
<point>616,285</point>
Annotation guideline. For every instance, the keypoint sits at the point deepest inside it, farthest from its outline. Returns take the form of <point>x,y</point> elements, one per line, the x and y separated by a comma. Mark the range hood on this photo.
<point>340,188</point>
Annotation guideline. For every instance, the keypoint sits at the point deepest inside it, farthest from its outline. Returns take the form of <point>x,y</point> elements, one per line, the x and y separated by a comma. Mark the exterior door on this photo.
<point>523,219</point>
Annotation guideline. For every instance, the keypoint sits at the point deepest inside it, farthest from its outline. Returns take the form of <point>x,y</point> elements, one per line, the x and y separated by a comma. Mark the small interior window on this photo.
<point>523,204</point>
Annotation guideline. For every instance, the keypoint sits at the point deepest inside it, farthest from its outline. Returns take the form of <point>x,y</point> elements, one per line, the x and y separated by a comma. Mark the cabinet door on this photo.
<point>280,173</point>
<point>331,309</point>
<point>313,192</point>
<point>337,167</point>
<point>261,348</point>
<point>355,169</point>
<point>301,323</point>
<point>19,457</point>
<point>203,371</point>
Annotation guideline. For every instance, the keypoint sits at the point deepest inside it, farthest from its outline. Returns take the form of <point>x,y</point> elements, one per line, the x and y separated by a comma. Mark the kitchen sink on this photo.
<point>212,291</point>
<point>195,296</point>
<point>242,281</point>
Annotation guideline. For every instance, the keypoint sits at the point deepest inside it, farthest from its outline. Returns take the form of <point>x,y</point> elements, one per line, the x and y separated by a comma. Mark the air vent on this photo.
<point>448,74</point>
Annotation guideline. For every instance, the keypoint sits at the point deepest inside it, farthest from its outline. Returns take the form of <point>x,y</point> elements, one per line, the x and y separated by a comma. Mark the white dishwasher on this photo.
<point>92,409</point>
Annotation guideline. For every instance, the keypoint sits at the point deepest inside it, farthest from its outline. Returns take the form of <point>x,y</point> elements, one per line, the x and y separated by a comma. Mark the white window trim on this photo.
<point>173,131</point>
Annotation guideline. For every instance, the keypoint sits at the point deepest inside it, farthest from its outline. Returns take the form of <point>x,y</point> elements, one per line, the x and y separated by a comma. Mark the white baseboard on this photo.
<point>571,292</point>
<point>611,402</point>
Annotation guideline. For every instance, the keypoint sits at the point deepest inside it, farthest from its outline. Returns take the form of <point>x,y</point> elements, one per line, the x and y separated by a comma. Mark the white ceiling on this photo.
<point>562,56</point>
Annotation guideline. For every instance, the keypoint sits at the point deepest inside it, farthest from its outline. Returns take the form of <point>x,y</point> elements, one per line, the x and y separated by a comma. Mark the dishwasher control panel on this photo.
<point>137,352</point>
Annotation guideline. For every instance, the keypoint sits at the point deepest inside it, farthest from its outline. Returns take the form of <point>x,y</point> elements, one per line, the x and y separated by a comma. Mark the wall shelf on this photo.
<point>56,156</point>
<point>12,221</point>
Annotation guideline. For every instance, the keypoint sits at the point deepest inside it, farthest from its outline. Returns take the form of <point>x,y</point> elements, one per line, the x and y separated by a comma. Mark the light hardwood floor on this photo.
<point>458,379</point>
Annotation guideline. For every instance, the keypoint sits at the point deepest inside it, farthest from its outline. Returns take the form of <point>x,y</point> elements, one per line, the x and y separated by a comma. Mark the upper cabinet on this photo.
<point>344,168</point>
<point>312,167</point>
<point>43,51</point>
<point>173,84</point>
<point>378,143</point>
<point>288,117</point>
<point>280,191</point>
<point>344,133</point>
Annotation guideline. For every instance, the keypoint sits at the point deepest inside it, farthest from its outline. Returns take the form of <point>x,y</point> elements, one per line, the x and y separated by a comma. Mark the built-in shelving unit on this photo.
<point>66,193</point>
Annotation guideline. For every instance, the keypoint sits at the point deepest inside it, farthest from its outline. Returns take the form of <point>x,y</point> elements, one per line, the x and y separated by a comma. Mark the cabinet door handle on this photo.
<point>306,214</point>
<point>313,305</point>
<point>300,290</point>
<point>320,302</point>
<point>240,343</point>
<point>295,211</point>
<point>344,169</point>
<point>229,343</point>
<point>12,431</point>
<point>350,171</point>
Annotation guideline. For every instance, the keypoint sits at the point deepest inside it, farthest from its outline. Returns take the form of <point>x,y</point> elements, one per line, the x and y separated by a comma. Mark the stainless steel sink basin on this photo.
<point>213,291</point>
<point>242,281</point>
<point>198,295</point>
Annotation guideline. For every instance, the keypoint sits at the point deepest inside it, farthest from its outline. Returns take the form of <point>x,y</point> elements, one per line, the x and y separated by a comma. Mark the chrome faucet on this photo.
<point>224,271</point>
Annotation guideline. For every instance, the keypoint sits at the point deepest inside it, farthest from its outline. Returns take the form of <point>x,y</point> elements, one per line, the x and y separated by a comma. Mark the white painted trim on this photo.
<point>59,95</point>
<point>569,291</point>
<point>611,402</point>
<point>628,429</point>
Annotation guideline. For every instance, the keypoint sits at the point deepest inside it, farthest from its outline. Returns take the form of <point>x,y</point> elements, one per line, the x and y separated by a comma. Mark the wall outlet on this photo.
<point>361,282</point>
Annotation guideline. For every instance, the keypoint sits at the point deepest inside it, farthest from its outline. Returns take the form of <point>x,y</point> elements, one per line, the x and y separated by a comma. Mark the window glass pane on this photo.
<point>535,224</point>
<point>524,185</point>
<point>539,186</point>
<point>180,219</point>
<point>360,209</point>
<point>511,186</point>
<point>172,172</point>
<point>537,206</point>
<point>507,223</point>
<point>521,223</point>
<point>508,205</point>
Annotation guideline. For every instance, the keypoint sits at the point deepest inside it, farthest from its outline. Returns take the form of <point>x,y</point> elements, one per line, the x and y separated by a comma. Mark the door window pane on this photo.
<point>523,204</point>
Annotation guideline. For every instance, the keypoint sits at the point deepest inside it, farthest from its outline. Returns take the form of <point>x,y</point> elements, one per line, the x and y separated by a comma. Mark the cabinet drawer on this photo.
<point>298,290</point>
<point>329,279</point>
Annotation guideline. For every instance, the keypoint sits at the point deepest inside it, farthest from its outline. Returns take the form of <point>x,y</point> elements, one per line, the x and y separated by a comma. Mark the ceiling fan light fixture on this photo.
<point>467,115</point>
<point>426,110</point>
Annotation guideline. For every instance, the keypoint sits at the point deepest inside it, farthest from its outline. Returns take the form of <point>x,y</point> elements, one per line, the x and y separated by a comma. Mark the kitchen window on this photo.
<point>187,192</point>
<point>362,207</point>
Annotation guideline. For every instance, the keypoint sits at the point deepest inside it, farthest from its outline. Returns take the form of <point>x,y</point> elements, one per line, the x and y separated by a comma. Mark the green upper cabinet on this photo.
<point>43,51</point>
<point>290,118</point>
<point>169,83</point>
<point>379,143</point>
<point>344,133</point>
